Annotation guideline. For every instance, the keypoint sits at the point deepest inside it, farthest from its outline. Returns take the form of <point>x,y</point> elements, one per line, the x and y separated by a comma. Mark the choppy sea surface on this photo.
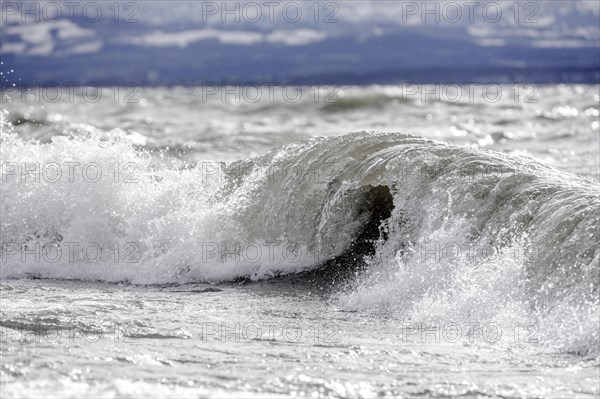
<point>378,241</point>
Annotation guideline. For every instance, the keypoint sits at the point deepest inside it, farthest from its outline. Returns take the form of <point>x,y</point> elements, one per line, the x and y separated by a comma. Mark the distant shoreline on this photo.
<point>482,75</point>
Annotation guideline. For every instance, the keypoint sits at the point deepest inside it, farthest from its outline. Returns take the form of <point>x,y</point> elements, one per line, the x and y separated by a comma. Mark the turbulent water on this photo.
<point>353,242</point>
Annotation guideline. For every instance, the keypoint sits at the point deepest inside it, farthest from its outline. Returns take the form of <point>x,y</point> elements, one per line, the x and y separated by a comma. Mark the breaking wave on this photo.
<point>425,230</point>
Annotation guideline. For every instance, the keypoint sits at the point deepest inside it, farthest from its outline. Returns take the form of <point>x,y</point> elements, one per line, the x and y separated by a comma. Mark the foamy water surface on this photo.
<point>343,242</point>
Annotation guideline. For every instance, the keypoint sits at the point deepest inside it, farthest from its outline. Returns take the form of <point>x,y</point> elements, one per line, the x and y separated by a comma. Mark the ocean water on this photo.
<point>379,241</point>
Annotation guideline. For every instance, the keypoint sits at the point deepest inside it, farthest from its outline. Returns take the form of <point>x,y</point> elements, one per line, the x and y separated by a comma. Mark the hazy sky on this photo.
<point>35,29</point>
